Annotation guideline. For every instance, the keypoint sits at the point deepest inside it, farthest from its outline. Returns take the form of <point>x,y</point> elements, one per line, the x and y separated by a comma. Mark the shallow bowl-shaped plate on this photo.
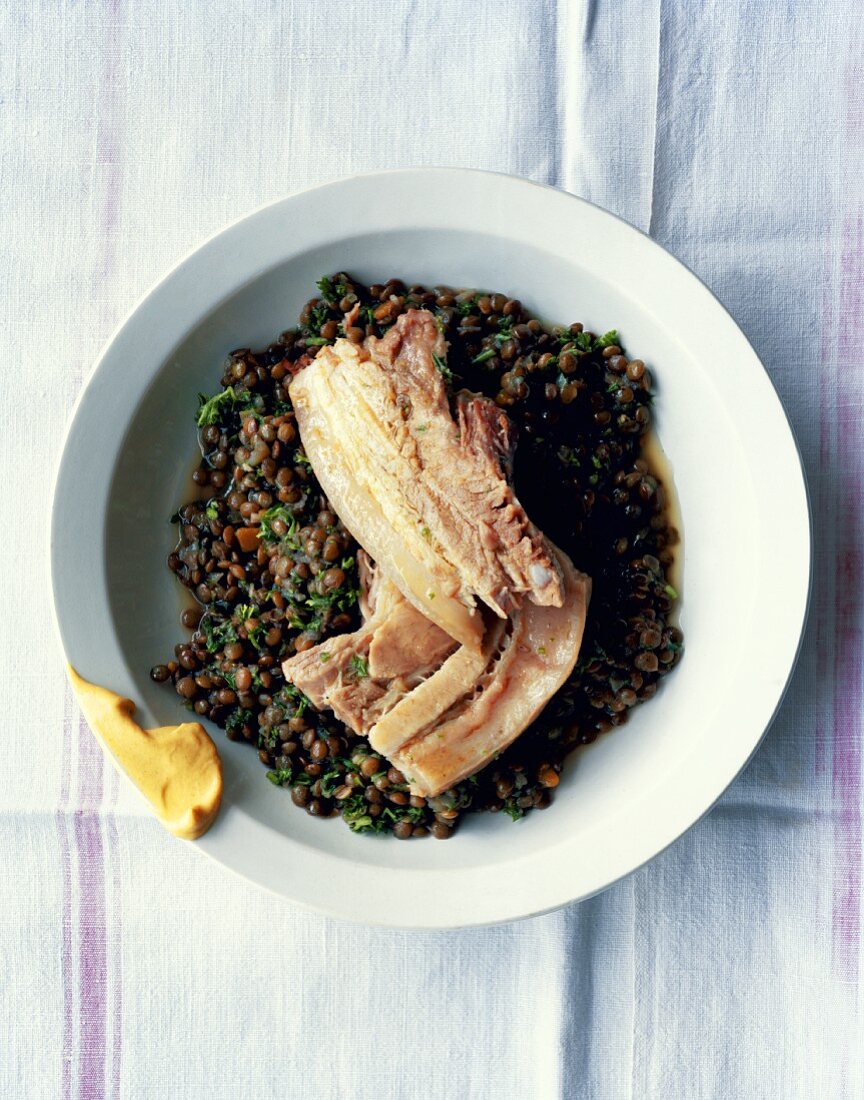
<point>131,446</point>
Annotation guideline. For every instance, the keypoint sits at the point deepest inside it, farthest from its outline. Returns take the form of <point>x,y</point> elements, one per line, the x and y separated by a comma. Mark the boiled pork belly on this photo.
<point>437,712</point>
<point>425,494</point>
<point>460,717</point>
<point>361,676</point>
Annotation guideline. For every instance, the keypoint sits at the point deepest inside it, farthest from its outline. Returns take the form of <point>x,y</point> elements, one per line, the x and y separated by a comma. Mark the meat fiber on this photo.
<point>361,676</point>
<point>426,494</point>
<point>469,710</point>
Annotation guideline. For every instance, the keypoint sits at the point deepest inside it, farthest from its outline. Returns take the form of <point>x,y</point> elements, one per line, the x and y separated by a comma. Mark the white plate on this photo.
<point>131,446</point>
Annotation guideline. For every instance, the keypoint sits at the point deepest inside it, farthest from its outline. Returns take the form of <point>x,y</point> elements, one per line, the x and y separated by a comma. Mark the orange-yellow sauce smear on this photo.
<point>176,768</point>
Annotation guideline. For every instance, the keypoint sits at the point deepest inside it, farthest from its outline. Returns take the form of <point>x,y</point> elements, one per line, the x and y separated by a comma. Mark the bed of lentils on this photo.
<point>273,571</point>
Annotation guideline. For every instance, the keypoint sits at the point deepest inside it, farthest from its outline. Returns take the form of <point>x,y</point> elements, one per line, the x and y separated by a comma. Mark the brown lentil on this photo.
<point>267,539</point>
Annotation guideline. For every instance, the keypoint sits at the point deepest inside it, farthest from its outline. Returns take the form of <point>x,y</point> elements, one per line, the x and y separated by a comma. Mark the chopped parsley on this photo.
<point>505,331</point>
<point>359,667</point>
<point>569,457</point>
<point>342,598</point>
<point>330,781</point>
<point>484,356</point>
<point>268,518</point>
<point>332,290</point>
<point>670,592</point>
<point>249,411</point>
<point>296,696</point>
<point>584,341</point>
<point>257,635</point>
<point>587,341</point>
<point>355,812</point>
<point>238,718</point>
<point>212,410</point>
<point>443,369</point>
<point>216,635</point>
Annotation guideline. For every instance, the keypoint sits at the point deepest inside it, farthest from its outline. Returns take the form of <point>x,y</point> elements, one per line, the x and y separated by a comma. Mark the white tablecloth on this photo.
<point>731,966</point>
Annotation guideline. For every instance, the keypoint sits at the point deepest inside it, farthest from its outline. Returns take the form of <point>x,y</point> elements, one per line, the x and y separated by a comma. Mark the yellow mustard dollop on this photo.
<point>176,768</point>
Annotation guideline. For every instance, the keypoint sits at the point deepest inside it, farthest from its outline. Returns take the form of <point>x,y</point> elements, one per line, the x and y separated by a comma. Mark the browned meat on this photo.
<point>427,496</point>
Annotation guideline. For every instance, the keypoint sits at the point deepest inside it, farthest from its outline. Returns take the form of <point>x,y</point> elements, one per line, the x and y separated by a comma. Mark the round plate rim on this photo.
<point>431,905</point>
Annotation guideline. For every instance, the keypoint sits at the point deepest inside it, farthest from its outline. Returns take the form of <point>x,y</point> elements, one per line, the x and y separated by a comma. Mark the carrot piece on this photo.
<point>248,538</point>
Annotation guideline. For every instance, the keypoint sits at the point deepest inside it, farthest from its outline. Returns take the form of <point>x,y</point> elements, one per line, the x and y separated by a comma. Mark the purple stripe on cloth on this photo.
<point>91,765</point>
<point>69,721</point>
<point>109,151</point>
<point>93,955</point>
<point>92,943</point>
<point>115,949</point>
<point>849,564</point>
<point>66,955</point>
<point>93,859</point>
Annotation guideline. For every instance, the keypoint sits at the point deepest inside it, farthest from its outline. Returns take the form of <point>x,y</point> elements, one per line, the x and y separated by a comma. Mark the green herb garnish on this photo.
<point>332,291</point>
<point>238,718</point>
<point>296,696</point>
<point>584,341</point>
<point>443,369</point>
<point>268,518</point>
<point>216,635</point>
<point>211,410</point>
<point>330,781</point>
<point>505,331</point>
<point>359,667</point>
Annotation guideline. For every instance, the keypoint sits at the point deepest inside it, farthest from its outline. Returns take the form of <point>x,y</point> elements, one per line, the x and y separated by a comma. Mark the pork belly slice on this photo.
<point>361,676</point>
<point>455,722</point>
<point>425,494</point>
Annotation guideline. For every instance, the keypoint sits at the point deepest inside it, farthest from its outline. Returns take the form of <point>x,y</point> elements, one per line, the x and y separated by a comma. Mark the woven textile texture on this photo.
<point>730,967</point>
